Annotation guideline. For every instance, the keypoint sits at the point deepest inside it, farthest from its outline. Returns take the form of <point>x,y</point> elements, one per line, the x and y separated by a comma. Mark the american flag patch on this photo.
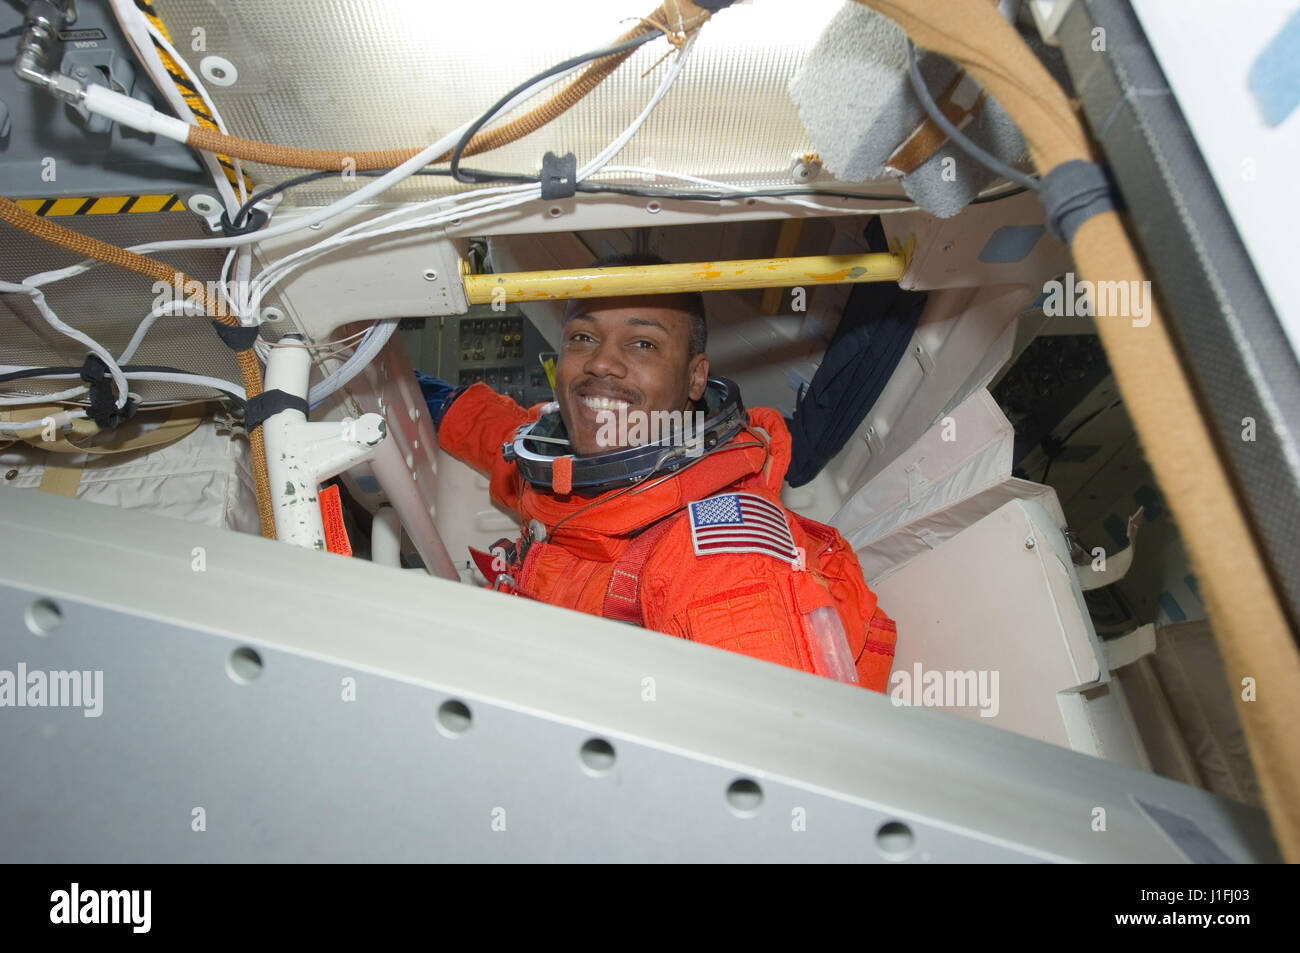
<point>741,523</point>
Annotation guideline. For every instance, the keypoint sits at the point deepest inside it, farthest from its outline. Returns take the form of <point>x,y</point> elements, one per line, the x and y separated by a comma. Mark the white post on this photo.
<point>300,454</point>
<point>386,538</point>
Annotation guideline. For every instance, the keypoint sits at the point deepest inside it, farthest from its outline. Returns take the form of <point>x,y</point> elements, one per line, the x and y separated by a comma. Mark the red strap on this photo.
<point>623,597</point>
<point>485,563</point>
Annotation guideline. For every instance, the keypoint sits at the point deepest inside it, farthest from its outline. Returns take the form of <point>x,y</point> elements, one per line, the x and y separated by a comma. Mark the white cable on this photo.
<point>17,400</point>
<point>170,377</point>
<point>233,204</point>
<point>203,380</point>
<point>58,420</point>
<point>139,33</point>
<point>127,13</point>
<point>373,188</point>
<point>277,270</point>
<point>726,187</point>
<point>367,350</point>
<point>190,308</point>
<point>38,299</point>
<point>615,147</point>
<point>222,179</point>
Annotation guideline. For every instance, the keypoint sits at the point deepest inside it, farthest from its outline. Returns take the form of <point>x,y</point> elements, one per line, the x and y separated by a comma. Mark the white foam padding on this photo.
<point>856,103</point>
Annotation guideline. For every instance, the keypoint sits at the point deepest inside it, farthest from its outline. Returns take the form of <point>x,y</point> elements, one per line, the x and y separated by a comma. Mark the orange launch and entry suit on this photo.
<point>634,557</point>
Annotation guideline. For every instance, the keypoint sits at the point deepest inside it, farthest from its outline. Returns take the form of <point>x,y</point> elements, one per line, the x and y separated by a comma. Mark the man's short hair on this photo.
<point>690,302</point>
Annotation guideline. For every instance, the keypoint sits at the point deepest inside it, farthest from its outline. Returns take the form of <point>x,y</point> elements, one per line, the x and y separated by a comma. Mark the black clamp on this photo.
<point>253,221</point>
<point>267,404</point>
<point>237,337</point>
<point>559,176</point>
<point>103,404</point>
<point>1072,193</point>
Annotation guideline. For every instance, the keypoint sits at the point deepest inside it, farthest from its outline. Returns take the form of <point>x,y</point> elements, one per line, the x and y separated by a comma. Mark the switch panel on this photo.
<point>499,348</point>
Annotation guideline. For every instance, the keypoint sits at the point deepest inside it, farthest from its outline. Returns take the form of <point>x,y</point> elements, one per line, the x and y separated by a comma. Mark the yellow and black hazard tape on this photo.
<point>102,205</point>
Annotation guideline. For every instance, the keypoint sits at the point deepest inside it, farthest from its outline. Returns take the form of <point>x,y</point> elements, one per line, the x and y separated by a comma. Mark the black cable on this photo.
<point>487,117</point>
<point>126,369</point>
<point>1056,446</point>
<point>16,31</point>
<point>765,193</point>
<point>959,139</point>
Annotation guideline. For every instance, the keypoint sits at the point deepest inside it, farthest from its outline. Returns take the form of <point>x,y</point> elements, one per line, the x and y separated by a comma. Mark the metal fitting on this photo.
<point>44,20</point>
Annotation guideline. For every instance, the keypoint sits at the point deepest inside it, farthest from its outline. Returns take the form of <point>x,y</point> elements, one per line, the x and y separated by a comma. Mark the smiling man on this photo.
<point>628,366</point>
<point>647,493</point>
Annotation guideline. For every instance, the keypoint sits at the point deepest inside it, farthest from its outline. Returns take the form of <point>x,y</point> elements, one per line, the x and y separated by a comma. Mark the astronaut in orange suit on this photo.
<point>684,535</point>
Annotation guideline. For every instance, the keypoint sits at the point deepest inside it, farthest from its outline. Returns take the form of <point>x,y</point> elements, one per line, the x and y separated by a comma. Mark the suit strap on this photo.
<point>623,597</point>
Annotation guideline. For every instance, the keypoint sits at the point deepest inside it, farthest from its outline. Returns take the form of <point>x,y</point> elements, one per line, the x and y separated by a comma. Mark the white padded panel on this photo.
<point>955,474</point>
<point>983,601</point>
<point>368,74</point>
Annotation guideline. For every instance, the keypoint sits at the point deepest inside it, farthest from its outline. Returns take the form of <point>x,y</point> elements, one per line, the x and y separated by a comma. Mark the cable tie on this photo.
<point>559,176</point>
<point>1072,193</point>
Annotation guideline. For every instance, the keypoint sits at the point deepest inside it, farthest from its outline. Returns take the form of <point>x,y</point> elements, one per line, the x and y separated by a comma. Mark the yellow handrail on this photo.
<point>684,277</point>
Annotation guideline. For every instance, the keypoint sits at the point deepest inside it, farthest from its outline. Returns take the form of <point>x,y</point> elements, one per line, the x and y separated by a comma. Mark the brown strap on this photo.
<point>926,137</point>
<point>623,596</point>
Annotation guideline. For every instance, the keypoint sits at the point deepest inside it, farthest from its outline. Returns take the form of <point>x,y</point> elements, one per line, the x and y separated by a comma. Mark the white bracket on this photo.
<point>300,454</point>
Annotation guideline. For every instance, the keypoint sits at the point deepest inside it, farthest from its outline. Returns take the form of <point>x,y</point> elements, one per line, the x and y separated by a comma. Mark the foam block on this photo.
<point>856,103</point>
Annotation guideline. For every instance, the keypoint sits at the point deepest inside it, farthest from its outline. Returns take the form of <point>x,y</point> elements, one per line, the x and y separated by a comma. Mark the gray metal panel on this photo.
<point>285,769</point>
<point>1235,347</point>
<point>87,164</point>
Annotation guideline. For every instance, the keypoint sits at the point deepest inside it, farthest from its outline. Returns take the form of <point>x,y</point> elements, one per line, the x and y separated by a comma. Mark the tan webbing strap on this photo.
<point>926,137</point>
<point>61,479</point>
<point>180,422</point>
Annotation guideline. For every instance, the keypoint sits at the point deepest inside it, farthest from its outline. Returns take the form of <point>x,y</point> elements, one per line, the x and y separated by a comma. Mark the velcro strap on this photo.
<point>103,405</point>
<point>1072,193</point>
<point>236,337</point>
<point>269,403</point>
<point>255,219</point>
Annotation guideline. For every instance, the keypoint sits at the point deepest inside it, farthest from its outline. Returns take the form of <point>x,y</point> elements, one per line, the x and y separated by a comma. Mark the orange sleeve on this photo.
<point>473,430</point>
